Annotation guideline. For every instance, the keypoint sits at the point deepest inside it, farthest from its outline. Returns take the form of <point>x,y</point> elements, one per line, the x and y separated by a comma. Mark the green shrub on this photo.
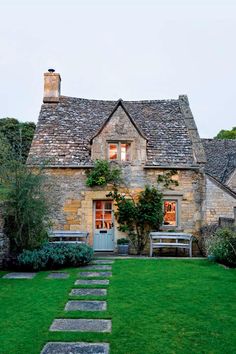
<point>122,241</point>
<point>222,246</point>
<point>52,256</point>
<point>102,174</point>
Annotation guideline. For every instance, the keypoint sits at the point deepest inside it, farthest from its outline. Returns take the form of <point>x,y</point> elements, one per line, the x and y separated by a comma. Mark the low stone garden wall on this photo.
<point>4,243</point>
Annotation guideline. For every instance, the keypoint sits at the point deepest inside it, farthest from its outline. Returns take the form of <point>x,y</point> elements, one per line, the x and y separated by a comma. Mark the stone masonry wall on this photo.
<point>218,203</point>
<point>73,200</point>
<point>4,244</point>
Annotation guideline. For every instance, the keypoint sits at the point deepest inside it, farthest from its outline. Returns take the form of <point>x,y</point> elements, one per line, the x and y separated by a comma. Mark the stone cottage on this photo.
<point>145,138</point>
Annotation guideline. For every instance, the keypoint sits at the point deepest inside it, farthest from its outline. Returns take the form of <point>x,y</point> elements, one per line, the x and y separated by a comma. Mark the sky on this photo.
<point>129,49</point>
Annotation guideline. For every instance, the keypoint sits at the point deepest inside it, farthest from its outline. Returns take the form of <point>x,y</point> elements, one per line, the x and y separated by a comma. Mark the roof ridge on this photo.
<point>123,100</point>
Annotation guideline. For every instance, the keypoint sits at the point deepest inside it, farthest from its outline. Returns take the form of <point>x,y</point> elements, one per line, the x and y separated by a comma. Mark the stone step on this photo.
<point>86,292</point>
<point>95,274</point>
<point>19,275</point>
<point>80,325</point>
<point>75,348</point>
<point>86,305</point>
<point>57,275</point>
<point>92,282</point>
<point>103,261</point>
<point>97,267</point>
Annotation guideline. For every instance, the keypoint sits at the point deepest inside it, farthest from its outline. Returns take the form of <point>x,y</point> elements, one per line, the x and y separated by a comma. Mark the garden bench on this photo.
<point>170,240</point>
<point>59,236</point>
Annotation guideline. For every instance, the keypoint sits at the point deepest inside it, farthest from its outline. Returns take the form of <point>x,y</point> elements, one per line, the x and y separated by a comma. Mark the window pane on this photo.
<point>98,204</point>
<point>113,152</point>
<point>108,205</point>
<point>107,224</point>
<point>99,214</point>
<point>125,152</point>
<point>170,212</point>
<point>107,215</point>
<point>99,224</point>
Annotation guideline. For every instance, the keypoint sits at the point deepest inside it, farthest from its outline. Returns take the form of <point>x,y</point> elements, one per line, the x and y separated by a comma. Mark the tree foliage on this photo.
<point>103,173</point>
<point>18,135</point>
<point>25,205</point>
<point>227,134</point>
<point>139,216</point>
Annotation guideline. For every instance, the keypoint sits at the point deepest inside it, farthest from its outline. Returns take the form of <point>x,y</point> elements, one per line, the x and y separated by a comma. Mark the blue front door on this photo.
<point>103,226</point>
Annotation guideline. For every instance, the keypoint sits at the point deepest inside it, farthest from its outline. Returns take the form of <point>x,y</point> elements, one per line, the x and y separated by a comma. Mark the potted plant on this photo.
<point>123,246</point>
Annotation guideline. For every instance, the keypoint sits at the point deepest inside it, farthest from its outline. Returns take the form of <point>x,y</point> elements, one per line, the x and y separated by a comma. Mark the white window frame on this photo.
<point>177,200</point>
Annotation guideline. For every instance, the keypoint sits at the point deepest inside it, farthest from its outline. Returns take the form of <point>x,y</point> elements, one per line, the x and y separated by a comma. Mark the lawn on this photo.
<point>156,306</point>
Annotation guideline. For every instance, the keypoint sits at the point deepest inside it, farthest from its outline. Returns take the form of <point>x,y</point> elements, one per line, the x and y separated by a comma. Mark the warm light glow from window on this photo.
<point>113,152</point>
<point>170,212</point>
<point>125,152</point>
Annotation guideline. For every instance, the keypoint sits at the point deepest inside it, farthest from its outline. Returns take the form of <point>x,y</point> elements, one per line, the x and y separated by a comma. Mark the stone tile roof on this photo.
<point>65,129</point>
<point>221,158</point>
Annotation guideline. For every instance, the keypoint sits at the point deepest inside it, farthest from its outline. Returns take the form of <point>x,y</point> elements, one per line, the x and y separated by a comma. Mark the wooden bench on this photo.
<point>170,240</point>
<point>58,236</point>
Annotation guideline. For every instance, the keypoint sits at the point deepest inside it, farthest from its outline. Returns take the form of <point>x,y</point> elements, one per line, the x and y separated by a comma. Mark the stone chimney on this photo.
<point>52,87</point>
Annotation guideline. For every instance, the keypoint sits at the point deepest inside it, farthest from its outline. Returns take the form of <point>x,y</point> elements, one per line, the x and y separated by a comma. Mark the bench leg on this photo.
<point>150,250</point>
<point>190,250</point>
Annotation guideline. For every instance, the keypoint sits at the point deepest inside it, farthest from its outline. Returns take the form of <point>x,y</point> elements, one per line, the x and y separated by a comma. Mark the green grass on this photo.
<point>156,306</point>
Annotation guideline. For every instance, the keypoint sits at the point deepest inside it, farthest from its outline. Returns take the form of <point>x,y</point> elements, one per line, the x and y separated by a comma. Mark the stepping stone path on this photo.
<point>102,261</point>
<point>85,305</point>
<point>75,348</point>
<point>95,274</point>
<point>86,292</point>
<point>98,267</point>
<point>57,275</point>
<point>80,325</point>
<point>92,282</point>
<point>84,324</point>
<point>19,275</point>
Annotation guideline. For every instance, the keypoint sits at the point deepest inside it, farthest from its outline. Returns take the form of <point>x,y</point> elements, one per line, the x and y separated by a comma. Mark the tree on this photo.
<point>18,135</point>
<point>227,134</point>
<point>139,216</point>
<point>26,209</point>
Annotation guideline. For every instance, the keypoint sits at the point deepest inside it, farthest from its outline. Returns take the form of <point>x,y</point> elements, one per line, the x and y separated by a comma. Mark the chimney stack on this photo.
<point>52,87</point>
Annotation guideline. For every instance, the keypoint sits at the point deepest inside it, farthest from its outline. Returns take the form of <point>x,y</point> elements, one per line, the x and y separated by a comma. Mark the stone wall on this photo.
<point>73,200</point>
<point>218,202</point>
<point>4,244</point>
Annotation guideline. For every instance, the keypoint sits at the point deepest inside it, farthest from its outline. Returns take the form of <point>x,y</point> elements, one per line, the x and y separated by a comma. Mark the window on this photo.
<point>119,151</point>
<point>113,151</point>
<point>170,213</point>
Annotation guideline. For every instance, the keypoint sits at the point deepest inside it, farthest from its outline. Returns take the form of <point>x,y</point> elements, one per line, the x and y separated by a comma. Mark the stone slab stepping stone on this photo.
<point>55,275</point>
<point>98,267</point>
<point>92,282</point>
<point>75,348</point>
<point>80,325</point>
<point>95,274</point>
<point>85,292</point>
<point>86,305</point>
<point>19,275</point>
<point>102,261</point>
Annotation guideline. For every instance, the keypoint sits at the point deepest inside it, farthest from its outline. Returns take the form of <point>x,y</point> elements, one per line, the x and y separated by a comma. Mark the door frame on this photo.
<point>94,224</point>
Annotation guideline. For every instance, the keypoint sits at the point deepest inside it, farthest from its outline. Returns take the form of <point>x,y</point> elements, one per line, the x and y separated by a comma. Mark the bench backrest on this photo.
<point>170,236</point>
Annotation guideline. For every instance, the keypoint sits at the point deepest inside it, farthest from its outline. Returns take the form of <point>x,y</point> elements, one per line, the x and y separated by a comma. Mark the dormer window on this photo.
<point>119,151</point>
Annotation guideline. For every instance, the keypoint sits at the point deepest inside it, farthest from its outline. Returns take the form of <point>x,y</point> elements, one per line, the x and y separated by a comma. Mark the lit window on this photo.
<point>113,151</point>
<point>170,212</point>
<point>119,151</point>
<point>125,152</point>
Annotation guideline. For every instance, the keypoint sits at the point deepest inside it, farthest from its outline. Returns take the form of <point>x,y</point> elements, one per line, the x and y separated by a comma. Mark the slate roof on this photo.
<point>221,158</point>
<point>64,131</point>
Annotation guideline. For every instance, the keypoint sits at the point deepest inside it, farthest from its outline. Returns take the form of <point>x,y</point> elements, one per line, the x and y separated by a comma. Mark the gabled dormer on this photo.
<point>119,139</point>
